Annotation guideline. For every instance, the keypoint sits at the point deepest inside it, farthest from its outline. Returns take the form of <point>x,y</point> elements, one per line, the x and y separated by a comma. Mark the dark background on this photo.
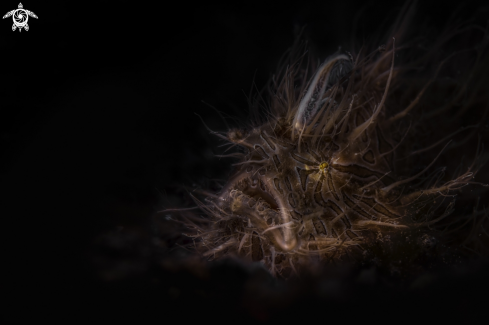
<point>98,130</point>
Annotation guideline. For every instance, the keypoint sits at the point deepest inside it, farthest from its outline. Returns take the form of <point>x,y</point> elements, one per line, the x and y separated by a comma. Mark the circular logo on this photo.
<point>20,17</point>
